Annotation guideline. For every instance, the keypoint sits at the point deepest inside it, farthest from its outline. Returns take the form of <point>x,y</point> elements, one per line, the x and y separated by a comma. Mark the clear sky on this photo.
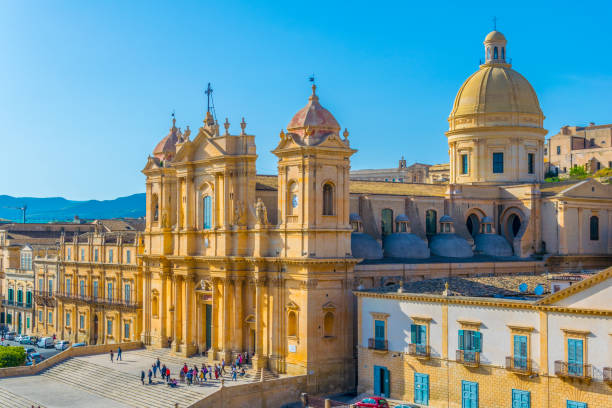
<point>87,88</point>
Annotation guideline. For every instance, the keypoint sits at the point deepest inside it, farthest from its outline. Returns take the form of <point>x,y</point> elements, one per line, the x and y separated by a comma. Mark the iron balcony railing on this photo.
<point>468,358</point>
<point>419,350</point>
<point>44,293</point>
<point>9,302</point>
<point>521,365</point>
<point>101,300</point>
<point>378,344</point>
<point>573,370</point>
<point>607,375</point>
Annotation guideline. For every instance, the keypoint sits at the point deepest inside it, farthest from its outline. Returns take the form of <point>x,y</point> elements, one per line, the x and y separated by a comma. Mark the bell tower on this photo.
<point>313,184</point>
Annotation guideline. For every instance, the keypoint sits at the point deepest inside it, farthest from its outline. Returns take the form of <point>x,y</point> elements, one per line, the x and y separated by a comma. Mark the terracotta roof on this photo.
<point>270,183</point>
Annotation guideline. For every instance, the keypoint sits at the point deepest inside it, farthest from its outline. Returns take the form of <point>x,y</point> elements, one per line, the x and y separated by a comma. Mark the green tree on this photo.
<point>578,172</point>
<point>12,356</point>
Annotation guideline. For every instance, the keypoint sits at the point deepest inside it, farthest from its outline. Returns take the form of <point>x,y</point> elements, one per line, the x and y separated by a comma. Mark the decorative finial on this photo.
<point>187,133</point>
<point>314,86</point>
<point>226,125</point>
<point>282,134</point>
<point>345,134</point>
<point>173,119</point>
<point>494,23</point>
<point>243,126</point>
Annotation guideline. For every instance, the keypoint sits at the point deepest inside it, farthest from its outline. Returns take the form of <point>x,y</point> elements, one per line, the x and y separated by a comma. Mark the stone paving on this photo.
<point>95,382</point>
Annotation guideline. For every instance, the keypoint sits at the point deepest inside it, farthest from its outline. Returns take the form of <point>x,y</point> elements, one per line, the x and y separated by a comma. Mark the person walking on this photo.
<point>234,373</point>
<point>163,372</point>
<point>223,366</point>
<point>142,376</point>
<point>210,372</point>
<point>157,363</point>
<point>204,370</point>
<point>167,374</point>
<point>112,355</point>
<point>150,376</point>
<point>154,368</point>
<point>118,353</point>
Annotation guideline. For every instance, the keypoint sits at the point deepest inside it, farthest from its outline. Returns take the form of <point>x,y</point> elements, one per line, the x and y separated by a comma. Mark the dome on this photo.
<point>450,246</point>
<point>365,246</point>
<point>495,36</point>
<point>313,116</point>
<point>166,148</point>
<point>496,95</point>
<point>405,245</point>
<point>493,245</point>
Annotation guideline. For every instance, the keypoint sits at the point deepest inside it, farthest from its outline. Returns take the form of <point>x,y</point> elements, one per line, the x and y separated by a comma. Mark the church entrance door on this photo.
<point>208,313</point>
<point>95,329</point>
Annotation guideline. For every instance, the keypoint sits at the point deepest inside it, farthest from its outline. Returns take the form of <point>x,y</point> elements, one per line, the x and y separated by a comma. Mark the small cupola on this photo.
<point>356,223</point>
<point>495,48</point>
<point>402,223</point>
<point>446,225</point>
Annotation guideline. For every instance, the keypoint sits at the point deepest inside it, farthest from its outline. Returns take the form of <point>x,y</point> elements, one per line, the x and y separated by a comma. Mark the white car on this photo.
<point>20,337</point>
<point>62,345</point>
<point>46,342</point>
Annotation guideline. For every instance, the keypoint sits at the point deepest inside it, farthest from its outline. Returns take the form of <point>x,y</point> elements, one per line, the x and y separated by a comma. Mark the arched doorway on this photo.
<point>387,221</point>
<point>473,224</point>
<point>95,330</point>
<point>431,222</point>
<point>513,225</point>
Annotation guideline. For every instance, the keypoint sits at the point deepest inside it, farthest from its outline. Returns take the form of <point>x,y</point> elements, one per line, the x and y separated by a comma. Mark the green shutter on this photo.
<point>477,336</point>
<point>413,333</point>
<point>461,342</point>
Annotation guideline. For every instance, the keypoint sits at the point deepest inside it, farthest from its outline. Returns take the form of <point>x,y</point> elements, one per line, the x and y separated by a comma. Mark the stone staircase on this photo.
<point>9,399</point>
<point>120,386</point>
<point>255,375</point>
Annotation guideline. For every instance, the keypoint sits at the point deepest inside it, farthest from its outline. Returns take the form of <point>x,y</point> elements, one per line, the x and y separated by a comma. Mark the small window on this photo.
<point>521,399</point>
<point>293,200</point>
<point>464,164</point>
<point>67,286</point>
<point>328,199</point>
<point>127,292</point>
<point>128,256</point>
<point>68,253</point>
<point>67,319</point>
<point>110,256</point>
<point>328,324</point>
<point>27,322</point>
<point>558,149</point>
<point>594,228</point>
<point>95,289</point>
<point>96,255</point>
<point>292,324</point>
<point>503,53</point>
<point>592,142</point>
<point>126,330</point>
<point>109,291</point>
<point>109,327</point>
<point>11,295</point>
<point>470,340</point>
<point>82,322</point>
<point>40,316</point>
<point>82,254</point>
<point>495,55</point>
<point>520,351</point>
<point>50,321</point>
<point>498,163</point>
<point>29,298</point>
<point>9,318</point>
<point>155,207</point>
<point>575,357</point>
<point>530,163</point>
<point>50,287</point>
<point>82,288</point>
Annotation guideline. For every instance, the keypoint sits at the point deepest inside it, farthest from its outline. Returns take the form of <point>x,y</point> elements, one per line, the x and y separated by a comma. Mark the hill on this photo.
<point>60,209</point>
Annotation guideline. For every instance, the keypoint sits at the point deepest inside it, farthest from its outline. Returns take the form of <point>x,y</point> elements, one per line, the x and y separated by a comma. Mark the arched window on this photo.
<point>292,199</point>
<point>207,211</point>
<point>488,53</point>
<point>503,53</point>
<point>19,296</point>
<point>594,228</point>
<point>431,223</point>
<point>292,324</point>
<point>328,325</point>
<point>82,288</point>
<point>472,224</point>
<point>155,207</point>
<point>495,53</point>
<point>328,199</point>
<point>386,221</point>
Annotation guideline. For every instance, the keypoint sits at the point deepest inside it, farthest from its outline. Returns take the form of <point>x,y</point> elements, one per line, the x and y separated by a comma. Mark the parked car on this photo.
<point>36,358</point>
<point>29,350</point>
<point>19,337</point>
<point>23,339</point>
<point>373,402</point>
<point>45,342</point>
<point>407,406</point>
<point>33,340</point>
<point>10,335</point>
<point>81,344</point>
<point>62,345</point>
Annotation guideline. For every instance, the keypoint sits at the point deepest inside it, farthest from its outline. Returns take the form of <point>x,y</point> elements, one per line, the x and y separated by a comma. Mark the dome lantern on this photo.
<point>495,48</point>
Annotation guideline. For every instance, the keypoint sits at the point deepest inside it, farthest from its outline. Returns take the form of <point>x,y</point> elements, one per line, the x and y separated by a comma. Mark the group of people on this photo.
<point>194,375</point>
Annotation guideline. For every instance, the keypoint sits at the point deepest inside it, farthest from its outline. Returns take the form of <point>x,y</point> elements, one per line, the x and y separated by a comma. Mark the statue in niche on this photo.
<point>261,212</point>
<point>239,213</point>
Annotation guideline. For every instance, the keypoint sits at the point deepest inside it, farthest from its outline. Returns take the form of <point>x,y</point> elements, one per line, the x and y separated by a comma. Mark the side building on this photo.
<point>91,292</point>
<point>488,342</point>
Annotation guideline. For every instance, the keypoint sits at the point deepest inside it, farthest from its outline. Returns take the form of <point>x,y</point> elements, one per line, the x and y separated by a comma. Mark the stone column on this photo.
<point>163,306</point>
<point>238,315</point>
<point>214,347</point>
<point>176,280</point>
<point>259,360</point>
<point>227,348</point>
<point>187,318</point>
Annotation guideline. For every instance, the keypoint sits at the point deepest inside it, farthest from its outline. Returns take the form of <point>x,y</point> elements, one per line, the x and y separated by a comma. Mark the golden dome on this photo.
<point>495,36</point>
<point>496,95</point>
<point>313,116</point>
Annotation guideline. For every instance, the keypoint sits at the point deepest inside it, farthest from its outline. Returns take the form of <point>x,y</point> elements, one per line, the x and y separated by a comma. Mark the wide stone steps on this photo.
<point>9,399</point>
<point>120,386</point>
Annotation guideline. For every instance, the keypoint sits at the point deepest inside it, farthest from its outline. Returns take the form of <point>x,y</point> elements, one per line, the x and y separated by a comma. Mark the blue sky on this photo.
<point>87,88</point>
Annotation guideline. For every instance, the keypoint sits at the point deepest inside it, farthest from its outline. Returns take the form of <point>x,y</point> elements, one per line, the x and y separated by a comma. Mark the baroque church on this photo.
<point>235,261</point>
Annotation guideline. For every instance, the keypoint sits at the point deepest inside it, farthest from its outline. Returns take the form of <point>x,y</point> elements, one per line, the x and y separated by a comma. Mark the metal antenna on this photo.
<point>494,23</point>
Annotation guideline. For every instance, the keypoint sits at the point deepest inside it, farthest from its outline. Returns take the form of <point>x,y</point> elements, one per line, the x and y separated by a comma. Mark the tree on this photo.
<point>12,356</point>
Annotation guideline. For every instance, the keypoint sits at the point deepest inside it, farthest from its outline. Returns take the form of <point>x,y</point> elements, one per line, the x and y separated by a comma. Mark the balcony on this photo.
<point>519,365</point>
<point>378,344</point>
<point>468,358</point>
<point>419,350</point>
<point>108,302</point>
<point>607,375</point>
<point>573,370</point>
<point>14,303</point>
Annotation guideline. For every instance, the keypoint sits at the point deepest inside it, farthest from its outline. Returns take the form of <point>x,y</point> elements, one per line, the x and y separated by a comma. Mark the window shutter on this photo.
<point>422,333</point>
<point>478,341</point>
<point>461,342</point>
<point>413,333</point>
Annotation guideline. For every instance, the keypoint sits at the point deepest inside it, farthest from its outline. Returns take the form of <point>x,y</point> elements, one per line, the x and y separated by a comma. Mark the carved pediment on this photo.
<point>293,306</point>
<point>329,307</point>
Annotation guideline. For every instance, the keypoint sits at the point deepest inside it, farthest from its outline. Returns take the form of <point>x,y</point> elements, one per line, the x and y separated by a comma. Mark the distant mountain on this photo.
<point>60,209</point>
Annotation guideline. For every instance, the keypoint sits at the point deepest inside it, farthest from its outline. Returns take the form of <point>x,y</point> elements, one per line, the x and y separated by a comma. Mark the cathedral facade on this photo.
<point>237,262</point>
